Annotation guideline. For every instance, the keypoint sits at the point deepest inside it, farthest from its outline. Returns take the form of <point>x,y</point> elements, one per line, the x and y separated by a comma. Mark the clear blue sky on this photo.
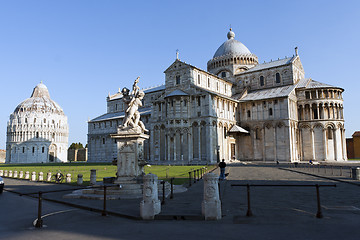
<point>84,49</point>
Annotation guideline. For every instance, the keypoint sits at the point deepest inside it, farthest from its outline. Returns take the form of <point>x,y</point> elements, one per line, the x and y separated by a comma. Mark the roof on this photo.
<point>119,95</point>
<point>231,46</point>
<point>271,64</point>
<point>356,134</point>
<point>277,92</point>
<point>119,115</point>
<point>312,84</point>
<point>237,129</point>
<point>177,92</point>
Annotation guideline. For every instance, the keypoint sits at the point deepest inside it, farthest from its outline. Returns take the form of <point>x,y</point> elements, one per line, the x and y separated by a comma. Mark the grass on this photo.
<point>180,173</point>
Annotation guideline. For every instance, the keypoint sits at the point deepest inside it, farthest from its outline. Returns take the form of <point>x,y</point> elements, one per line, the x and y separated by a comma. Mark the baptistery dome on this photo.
<point>37,130</point>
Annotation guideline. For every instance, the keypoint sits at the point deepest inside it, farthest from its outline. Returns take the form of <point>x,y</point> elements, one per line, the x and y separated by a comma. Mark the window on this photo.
<point>44,120</point>
<point>257,133</point>
<point>217,86</point>
<point>25,120</point>
<point>185,103</point>
<point>270,112</point>
<point>330,133</point>
<point>307,95</point>
<point>43,149</point>
<point>208,82</point>
<point>198,100</point>
<point>277,78</point>
<point>159,107</point>
<point>224,132</point>
<point>37,134</point>
<point>103,140</point>
<point>177,80</point>
<point>248,113</point>
<point>223,74</point>
<point>23,149</point>
<point>34,120</point>
<point>225,89</point>
<point>198,78</point>
<point>33,149</point>
<point>262,83</point>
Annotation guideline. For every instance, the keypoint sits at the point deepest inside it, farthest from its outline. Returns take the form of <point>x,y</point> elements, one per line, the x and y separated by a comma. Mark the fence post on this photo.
<point>80,179</point>
<point>39,222</point>
<point>319,213</point>
<point>48,177</point>
<point>172,188</point>
<point>104,206</point>
<point>92,176</point>
<point>248,213</point>
<point>163,191</point>
<point>68,178</point>
<point>189,179</point>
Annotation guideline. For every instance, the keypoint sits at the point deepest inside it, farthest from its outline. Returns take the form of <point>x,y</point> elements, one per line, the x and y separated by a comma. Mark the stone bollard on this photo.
<point>48,177</point>
<point>92,176</point>
<point>10,173</point>
<point>21,174</point>
<point>1,173</point>
<point>80,179</point>
<point>15,174</point>
<point>27,175</point>
<point>68,178</point>
<point>150,205</point>
<point>33,176</point>
<point>211,204</point>
<point>5,173</point>
<point>41,176</point>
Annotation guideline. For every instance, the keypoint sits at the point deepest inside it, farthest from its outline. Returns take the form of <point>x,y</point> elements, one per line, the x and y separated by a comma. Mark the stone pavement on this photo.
<point>271,206</point>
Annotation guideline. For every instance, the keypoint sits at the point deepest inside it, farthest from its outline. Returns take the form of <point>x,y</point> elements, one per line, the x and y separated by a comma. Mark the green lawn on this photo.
<point>180,173</point>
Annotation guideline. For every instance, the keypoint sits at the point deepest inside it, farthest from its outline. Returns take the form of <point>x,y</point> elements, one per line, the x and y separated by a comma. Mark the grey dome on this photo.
<point>39,101</point>
<point>231,46</point>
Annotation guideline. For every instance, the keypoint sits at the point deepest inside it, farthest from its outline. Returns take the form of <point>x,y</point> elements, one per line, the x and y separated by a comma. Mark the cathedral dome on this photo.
<point>231,46</point>
<point>39,101</point>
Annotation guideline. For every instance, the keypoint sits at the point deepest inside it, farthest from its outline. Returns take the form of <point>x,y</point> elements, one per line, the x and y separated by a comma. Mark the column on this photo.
<point>211,147</point>
<point>263,148</point>
<point>335,144</point>
<point>175,147</point>
<point>190,145</point>
<point>199,139</point>
<point>325,144</point>
<point>275,143</point>
<point>313,144</point>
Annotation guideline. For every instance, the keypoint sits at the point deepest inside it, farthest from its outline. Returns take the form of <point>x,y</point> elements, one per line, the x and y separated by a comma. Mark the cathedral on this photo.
<point>238,109</point>
<point>37,131</point>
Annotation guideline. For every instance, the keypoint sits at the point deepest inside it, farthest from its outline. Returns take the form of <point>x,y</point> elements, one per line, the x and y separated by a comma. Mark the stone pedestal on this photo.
<point>1,173</point>
<point>27,175</point>
<point>48,177</point>
<point>211,205</point>
<point>41,176</point>
<point>150,205</point>
<point>10,173</point>
<point>21,174</point>
<point>79,179</point>
<point>92,176</point>
<point>130,157</point>
<point>68,178</point>
<point>15,174</point>
<point>33,176</point>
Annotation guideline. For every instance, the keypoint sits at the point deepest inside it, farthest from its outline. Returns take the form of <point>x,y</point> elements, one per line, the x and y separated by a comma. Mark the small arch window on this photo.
<point>177,80</point>
<point>248,113</point>
<point>43,149</point>
<point>223,74</point>
<point>270,112</point>
<point>277,78</point>
<point>330,133</point>
<point>44,120</point>
<point>262,82</point>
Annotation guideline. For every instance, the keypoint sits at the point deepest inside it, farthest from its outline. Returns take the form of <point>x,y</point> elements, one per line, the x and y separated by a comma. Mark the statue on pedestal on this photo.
<point>132,102</point>
<point>130,136</point>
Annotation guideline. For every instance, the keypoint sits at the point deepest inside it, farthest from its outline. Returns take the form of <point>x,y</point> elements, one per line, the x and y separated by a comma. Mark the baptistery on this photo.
<point>37,131</point>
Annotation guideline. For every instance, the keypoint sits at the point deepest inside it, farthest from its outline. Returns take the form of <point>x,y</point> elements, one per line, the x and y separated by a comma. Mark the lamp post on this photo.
<point>218,153</point>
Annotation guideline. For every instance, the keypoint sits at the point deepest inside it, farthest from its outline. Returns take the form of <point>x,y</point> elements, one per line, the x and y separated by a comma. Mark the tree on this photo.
<point>76,146</point>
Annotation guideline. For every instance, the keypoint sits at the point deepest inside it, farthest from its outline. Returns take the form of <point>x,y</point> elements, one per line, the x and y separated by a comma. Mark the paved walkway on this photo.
<point>271,206</point>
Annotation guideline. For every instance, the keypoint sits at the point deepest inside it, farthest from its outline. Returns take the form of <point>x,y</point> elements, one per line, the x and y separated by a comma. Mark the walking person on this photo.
<point>222,166</point>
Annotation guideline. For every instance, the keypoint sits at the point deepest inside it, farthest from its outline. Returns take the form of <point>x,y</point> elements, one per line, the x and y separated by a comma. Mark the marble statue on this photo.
<point>132,102</point>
